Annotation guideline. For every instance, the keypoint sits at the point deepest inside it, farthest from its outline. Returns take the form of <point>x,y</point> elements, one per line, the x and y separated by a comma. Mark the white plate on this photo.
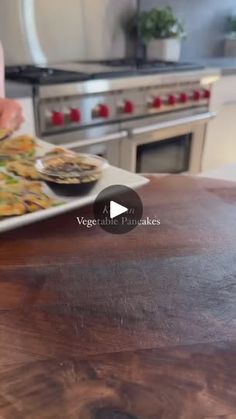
<point>111,176</point>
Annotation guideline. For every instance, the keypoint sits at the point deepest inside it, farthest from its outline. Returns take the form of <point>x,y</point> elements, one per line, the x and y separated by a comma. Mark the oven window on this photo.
<point>167,156</point>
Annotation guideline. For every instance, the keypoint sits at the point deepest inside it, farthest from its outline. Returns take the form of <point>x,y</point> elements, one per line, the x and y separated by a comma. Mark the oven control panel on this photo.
<point>182,97</point>
<point>78,111</point>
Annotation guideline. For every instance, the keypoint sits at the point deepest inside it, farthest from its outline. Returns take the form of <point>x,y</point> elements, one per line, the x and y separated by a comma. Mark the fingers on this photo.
<point>19,122</point>
<point>11,116</point>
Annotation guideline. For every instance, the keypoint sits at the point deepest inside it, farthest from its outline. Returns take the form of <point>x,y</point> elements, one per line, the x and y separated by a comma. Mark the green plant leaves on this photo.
<point>160,24</point>
<point>232,23</point>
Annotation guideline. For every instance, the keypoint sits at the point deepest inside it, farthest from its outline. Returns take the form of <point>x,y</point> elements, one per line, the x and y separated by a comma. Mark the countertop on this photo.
<point>139,326</point>
<point>227,65</point>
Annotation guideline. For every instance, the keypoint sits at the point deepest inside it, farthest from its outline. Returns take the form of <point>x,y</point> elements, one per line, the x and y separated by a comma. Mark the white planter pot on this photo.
<point>164,49</point>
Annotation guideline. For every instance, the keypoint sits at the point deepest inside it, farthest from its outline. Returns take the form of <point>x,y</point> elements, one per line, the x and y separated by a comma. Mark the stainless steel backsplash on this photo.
<point>42,31</point>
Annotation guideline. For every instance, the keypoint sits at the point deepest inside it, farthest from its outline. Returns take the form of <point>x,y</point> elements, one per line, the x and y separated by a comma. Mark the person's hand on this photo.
<point>11,116</point>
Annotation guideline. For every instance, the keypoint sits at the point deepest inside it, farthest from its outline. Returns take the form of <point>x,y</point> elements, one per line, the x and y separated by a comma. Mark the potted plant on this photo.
<point>230,39</point>
<point>162,33</point>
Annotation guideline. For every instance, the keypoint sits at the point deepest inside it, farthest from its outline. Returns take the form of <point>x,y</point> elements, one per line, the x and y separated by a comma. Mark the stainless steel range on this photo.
<point>144,117</point>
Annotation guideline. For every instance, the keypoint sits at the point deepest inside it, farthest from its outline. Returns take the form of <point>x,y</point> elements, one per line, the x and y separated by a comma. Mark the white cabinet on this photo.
<point>220,146</point>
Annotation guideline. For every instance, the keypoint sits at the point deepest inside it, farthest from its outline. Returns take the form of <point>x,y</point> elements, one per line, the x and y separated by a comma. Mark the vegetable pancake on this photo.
<point>23,168</point>
<point>23,197</point>
<point>4,133</point>
<point>6,179</point>
<point>10,204</point>
<point>22,145</point>
<point>26,167</point>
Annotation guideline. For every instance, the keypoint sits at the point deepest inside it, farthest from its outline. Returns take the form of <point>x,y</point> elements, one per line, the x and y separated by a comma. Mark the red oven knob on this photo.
<point>157,102</point>
<point>206,94</point>
<point>103,111</point>
<point>129,107</point>
<point>183,98</point>
<point>75,115</point>
<point>172,100</point>
<point>196,95</point>
<point>58,118</point>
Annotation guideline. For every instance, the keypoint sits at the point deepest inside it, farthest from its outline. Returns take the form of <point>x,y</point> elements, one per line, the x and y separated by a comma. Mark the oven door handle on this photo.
<point>189,120</point>
<point>94,141</point>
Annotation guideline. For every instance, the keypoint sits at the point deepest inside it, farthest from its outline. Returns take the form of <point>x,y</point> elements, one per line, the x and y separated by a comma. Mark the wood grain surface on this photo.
<point>138,326</point>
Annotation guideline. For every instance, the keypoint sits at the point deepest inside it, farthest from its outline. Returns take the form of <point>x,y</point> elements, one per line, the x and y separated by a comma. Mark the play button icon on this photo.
<point>118,209</point>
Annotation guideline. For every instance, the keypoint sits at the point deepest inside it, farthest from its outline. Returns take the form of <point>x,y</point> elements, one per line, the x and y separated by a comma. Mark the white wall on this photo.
<point>206,24</point>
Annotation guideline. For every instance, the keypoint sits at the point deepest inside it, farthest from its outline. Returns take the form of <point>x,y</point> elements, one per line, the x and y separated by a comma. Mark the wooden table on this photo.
<point>139,326</point>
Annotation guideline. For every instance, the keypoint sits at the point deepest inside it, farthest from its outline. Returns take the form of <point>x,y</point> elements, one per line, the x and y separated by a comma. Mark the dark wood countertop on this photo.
<point>139,326</point>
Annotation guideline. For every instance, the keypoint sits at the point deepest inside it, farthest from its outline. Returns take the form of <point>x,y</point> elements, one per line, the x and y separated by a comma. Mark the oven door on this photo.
<point>174,146</point>
<point>107,147</point>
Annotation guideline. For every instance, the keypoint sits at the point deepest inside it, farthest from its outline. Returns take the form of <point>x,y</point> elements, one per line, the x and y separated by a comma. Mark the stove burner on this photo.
<point>42,75</point>
<point>148,65</point>
<point>93,70</point>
